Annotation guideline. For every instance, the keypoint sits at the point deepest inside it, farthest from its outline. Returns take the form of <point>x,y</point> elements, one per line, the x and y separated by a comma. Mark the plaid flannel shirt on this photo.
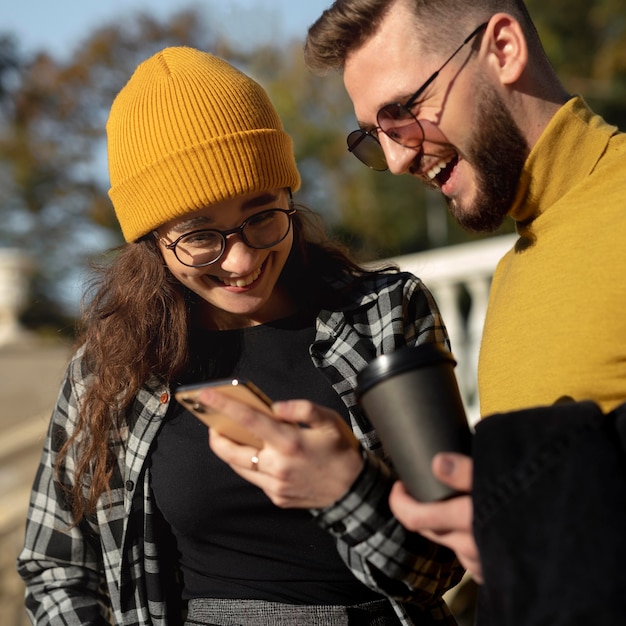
<point>106,569</point>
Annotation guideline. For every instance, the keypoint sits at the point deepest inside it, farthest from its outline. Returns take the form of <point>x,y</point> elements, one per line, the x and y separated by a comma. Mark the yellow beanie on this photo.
<point>189,130</point>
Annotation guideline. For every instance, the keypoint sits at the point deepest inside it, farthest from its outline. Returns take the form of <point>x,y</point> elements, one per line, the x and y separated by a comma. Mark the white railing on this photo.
<point>15,270</point>
<point>460,277</point>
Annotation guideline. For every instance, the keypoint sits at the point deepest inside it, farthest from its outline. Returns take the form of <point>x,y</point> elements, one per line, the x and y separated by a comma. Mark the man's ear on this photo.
<point>507,47</point>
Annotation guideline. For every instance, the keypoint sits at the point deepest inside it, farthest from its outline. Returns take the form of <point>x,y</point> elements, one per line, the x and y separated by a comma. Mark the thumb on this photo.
<point>454,470</point>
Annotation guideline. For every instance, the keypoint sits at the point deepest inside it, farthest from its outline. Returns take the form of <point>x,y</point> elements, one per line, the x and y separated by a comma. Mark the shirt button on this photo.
<point>130,485</point>
<point>164,398</point>
<point>338,527</point>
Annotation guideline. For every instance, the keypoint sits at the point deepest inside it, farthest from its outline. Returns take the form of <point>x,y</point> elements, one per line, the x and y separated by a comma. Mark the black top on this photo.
<point>233,542</point>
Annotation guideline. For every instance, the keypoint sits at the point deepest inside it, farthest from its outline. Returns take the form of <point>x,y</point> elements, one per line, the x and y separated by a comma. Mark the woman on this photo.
<point>133,519</point>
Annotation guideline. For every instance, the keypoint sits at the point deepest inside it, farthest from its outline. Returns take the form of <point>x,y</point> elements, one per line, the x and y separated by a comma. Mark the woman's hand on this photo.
<point>309,459</point>
<point>448,522</point>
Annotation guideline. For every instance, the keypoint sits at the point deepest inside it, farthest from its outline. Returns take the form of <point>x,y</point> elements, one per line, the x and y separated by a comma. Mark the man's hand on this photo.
<point>447,522</point>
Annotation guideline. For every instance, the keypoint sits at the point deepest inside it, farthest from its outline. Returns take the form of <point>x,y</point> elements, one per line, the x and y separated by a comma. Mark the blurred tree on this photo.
<point>9,65</point>
<point>53,201</point>
<point>586,42</point>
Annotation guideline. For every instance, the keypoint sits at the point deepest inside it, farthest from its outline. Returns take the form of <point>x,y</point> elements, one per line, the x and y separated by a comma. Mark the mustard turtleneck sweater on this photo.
<point>556,321</point>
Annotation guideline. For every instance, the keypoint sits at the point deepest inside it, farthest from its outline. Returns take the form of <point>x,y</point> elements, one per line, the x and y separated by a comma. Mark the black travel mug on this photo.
<point>412,398</point>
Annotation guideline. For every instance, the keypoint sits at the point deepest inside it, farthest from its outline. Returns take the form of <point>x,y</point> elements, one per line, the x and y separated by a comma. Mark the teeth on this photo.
<point>243,281</point>
<point>431,173</point>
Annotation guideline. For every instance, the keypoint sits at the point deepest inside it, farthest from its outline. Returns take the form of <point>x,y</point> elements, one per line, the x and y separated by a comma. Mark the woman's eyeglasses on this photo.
<point>397,121</point>
<point>199,248</point>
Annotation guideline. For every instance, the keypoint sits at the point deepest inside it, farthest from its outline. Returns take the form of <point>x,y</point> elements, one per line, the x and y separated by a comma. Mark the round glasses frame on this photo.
<point>397,121</point>
<point>223,234</point>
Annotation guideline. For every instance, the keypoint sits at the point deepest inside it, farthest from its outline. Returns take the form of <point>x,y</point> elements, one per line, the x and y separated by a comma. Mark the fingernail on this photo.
<point>447,465</point>
<point>280,406</point>
<point>207,396</point>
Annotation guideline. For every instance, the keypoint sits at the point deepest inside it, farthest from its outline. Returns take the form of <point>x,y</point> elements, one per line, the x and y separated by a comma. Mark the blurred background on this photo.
<point>61,65</point>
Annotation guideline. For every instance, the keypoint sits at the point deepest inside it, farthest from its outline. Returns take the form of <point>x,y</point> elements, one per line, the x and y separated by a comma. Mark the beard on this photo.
<point>498,152</point>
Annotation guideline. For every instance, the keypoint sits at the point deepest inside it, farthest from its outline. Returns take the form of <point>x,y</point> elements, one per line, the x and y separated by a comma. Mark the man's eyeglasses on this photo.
<point>204,247</point>
<point>398,122</point>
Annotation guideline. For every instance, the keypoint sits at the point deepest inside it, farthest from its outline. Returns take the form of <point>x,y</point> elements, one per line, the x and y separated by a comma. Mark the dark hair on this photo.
<point>348,24</point>
<point>343,27</point>
<point>135,328</point>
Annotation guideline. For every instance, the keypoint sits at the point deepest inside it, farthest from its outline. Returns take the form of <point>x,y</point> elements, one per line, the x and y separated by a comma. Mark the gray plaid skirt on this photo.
<point>217,612</point>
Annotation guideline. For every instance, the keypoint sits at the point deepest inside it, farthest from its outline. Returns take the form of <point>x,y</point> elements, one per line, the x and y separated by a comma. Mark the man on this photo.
<point>462,96</point>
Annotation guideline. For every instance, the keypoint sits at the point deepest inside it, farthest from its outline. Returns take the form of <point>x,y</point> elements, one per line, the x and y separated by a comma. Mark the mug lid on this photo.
<point>402,360</point>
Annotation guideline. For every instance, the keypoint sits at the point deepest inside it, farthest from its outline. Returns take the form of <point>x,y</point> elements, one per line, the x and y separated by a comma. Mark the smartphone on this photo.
<point>242,390</point>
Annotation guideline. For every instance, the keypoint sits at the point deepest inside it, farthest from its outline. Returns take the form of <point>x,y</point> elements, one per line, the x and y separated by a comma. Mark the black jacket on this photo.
<point>550,516</point>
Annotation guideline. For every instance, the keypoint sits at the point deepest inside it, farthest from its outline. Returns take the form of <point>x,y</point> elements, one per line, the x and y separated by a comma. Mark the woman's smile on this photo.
<point>240,282</point>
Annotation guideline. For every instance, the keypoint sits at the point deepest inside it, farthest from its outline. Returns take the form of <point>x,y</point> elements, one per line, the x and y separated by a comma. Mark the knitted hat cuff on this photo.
<point>222,168</point>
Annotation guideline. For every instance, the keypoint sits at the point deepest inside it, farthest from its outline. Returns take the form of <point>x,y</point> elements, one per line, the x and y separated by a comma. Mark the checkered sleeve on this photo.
<point>60,562</point>
<point>380,552</point>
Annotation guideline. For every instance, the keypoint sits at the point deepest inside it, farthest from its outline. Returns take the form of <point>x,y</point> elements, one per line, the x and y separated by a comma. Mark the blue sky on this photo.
<point>58,26</point>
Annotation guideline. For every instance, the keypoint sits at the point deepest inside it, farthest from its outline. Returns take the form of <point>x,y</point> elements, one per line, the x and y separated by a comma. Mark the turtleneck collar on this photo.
<point>565,154</point>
